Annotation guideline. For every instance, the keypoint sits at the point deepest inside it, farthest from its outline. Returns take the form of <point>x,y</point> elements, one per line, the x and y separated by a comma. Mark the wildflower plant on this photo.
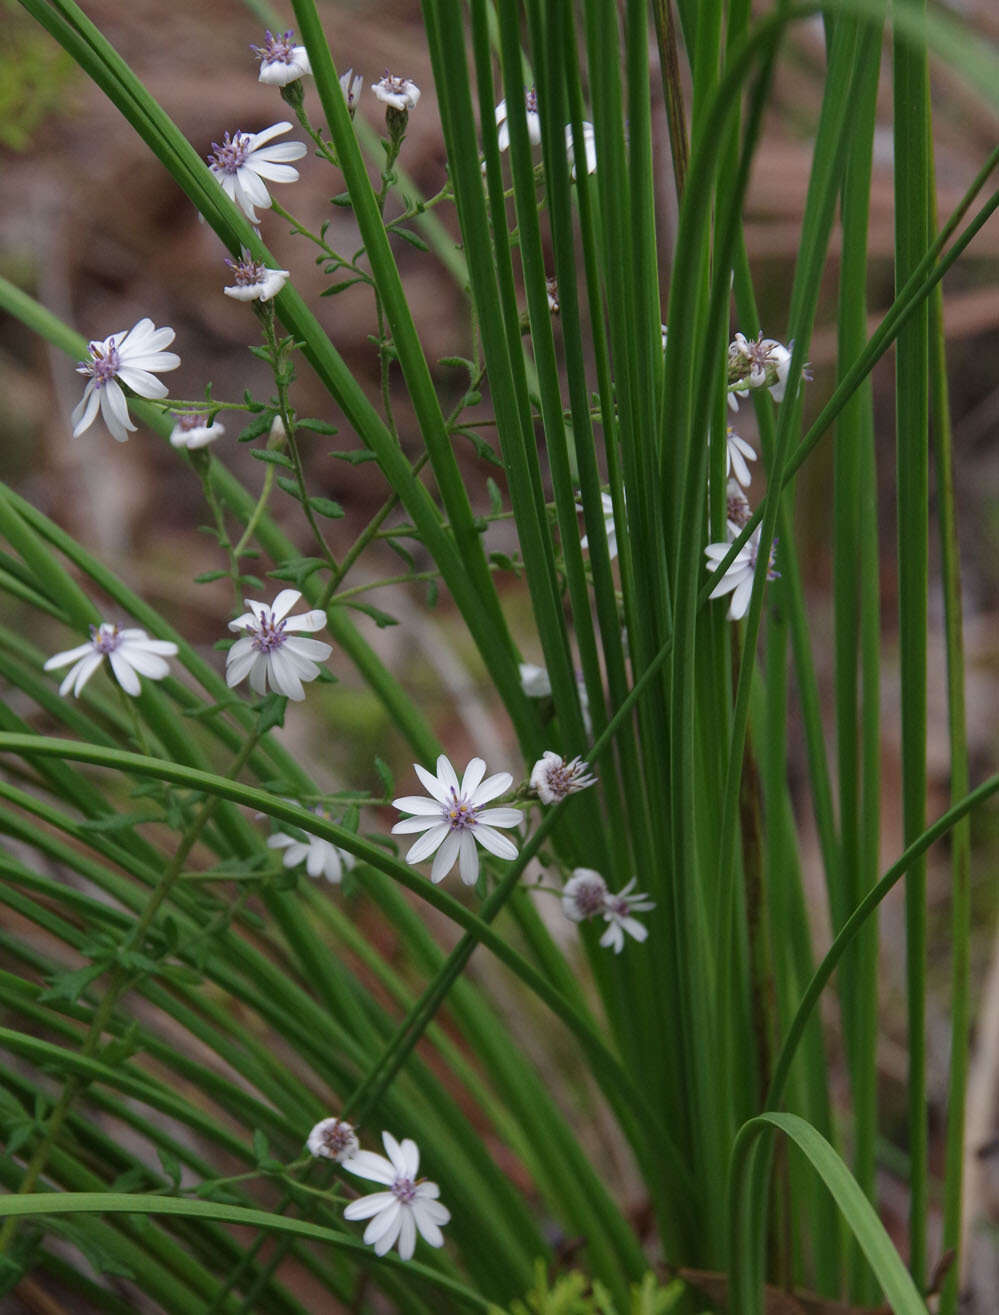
<point>182,1006</point>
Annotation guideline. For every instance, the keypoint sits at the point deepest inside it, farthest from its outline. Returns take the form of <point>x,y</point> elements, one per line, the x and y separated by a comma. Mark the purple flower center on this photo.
<point>404,1191</point>
<point>229,156</point>
<point>193,420</point>
<point>337,1138</point>
<point>105,637</point>
<point>247,271</point>
<point>276,49</point>
<point>104,363</point>
<point>590,898</point>
<point>459,814</point>
<point>531,98</point>
<point>617,905</point>
<point>270,634</point>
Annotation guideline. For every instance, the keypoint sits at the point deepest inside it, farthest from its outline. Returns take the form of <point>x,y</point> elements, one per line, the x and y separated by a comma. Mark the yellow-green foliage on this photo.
<point>33,75</point>
<point>575,1294</point>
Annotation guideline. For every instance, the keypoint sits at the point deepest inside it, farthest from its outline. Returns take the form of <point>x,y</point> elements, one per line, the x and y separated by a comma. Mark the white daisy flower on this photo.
<point>242,161</point>
<point>321,857</point>
<point>333,1139</point>
<point>617,913</point>
<point>193,430</point>
<point>453,819</point>
<point>664,334</point>
<point>281,61</point>
<point>534,681</point>
<point>134,356</point>
<point>551,288</point>
<point>553,778</point>
<point>607,504</point>
<point>589,145</point>
<point>410,1204</point>
<point>583,895</point>
<point>130,651</point>
<point>738,579</point>
<point>398,93</point>
<point>351,85</point>
<point>757,363</point>
<point>270,650</point>
<point>737,453</point>
<point>254,281</point>
<point>533,121</point>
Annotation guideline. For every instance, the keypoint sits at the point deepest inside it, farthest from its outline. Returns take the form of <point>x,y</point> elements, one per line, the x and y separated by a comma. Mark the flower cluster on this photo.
<point>321,857</point>
<point>534,133</point>
<point>454,819</point>
<point>585,895</point>
<point>408,1205</point>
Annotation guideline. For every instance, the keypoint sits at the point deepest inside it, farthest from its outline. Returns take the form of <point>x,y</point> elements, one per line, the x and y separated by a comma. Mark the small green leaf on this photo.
<point>297,570</point>
<point>206,577</point>
<point>356,457</point>
<point>290,486</point>
<point>273,458</point>
<point>326,507</point>
<point>412,238</point>
<point>270,711</point>
<point>495,497</point>
<point>381,619</point>
<point>316,426</point>
<point>261,1146</point>
<point>385,776</point>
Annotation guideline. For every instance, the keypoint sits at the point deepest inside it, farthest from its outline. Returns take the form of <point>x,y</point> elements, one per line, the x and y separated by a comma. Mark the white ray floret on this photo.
<point>408,1206</point>
<point>737,453</point>
<point>243,160</point>
<point>454,819</point>
<point>129,650</point>
<point>134,356</point>
<point>533,121</point>
<point>738,579</point>
<point>270,650</point>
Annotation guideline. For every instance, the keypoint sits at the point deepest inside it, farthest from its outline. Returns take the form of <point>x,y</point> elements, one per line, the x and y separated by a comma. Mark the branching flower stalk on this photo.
<point>279,353</point>
<point>122,979</point>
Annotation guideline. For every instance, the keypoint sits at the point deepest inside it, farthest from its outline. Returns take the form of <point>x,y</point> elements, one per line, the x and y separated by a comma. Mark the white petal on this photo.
<point>368,1164</point>
<point>490,788</point>
<point>739,605</point>
<point>310,649</point>
<point>366,1206</point>
<point>407,825</point>
<point>407,1234</point>
<point>284,602</point>
<point>315,620</point>
<point>498,844</point>
<point>85,411</point>
<point>259,673</point>
<point>413,803</point>
<point>71,655</point>
<point>445,857</point>
<point>142,382</point>
<point>474,773</point>
<point>447,775</point>
<point>273,172</point>
<point>427,843</point>
<point>237,665</point>
<point>469,856</point>
<point>500,817</point>
<point>284,677</point>
<point>410,1153</point>
<point>432,784</point>
<point>383,1230</point>
<point>124,673</point>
